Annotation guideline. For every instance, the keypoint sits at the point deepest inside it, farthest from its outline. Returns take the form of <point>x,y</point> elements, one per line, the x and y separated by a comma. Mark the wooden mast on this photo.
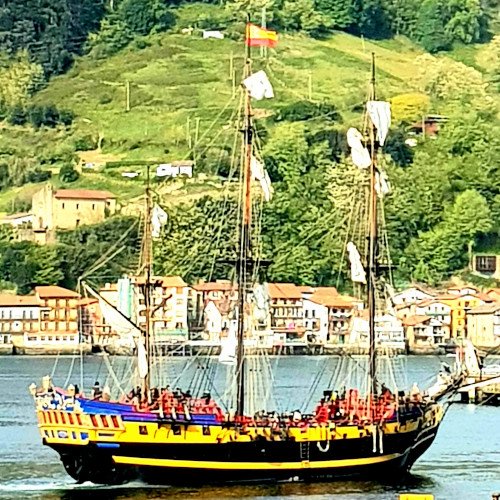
<point>245,244</point>
<point>148,272</point>
<point>372,246</point>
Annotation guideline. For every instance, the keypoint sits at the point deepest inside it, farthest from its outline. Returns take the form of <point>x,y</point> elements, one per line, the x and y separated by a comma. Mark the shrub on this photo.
<point>85,143</point>
<point>68,174</point>
<point>17,115</point>
<point>305,110</point>
<point>38,175</point>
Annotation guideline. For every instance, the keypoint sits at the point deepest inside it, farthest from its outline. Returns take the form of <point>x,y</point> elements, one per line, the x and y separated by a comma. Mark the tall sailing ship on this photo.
<point>166,435</point>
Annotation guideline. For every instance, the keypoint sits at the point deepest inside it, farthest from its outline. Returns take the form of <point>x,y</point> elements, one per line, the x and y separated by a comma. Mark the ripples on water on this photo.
<point>463,462</point>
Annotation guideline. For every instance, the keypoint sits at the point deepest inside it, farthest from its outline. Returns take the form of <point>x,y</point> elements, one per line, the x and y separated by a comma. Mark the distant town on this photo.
<point>284,318</point>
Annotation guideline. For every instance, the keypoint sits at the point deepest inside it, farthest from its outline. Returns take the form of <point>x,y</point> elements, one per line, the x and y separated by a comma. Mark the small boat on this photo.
<point>164,435</point>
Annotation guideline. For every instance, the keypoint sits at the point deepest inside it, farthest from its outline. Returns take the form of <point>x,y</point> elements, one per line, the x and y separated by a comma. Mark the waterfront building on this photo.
<point>327,315</point>
<point>412,295</point>
<point>461,302</point>
<point>46,321</point>
<point>223,294</point>
<point>169,306</point>
<point>483,326</point>
<point>286,312</point>
<point>425,332</point>
<point>18,315</point>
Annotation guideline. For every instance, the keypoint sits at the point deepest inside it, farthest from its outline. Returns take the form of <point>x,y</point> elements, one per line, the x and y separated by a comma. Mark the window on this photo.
<point>63,206</point>
<point>93,206</point>
<point>77,206</point>
<point>486,264</point>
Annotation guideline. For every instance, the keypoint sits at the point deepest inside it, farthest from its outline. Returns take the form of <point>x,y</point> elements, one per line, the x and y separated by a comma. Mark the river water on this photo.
<point>463,462</point>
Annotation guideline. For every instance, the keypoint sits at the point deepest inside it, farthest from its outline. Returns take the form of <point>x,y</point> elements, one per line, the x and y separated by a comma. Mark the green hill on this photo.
<point>182,98</point>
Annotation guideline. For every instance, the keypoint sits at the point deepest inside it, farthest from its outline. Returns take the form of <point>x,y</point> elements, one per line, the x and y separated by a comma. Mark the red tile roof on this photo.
<point>83,194</point>
<point>284,291</point>
<point>485,309</point>
<point>415,320</point>
<point>215,286</point>
<point>11,300</point>
<point>53,291</point>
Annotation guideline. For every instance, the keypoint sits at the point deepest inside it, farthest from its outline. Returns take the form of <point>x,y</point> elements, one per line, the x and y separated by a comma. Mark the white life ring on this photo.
<point>322,448</point>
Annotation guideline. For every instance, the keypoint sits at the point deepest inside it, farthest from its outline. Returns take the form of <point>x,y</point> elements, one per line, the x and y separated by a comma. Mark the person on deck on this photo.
<point>96,392</point>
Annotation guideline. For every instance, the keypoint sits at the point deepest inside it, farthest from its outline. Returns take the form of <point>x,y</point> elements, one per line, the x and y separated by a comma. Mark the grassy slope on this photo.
<point>181,77</point>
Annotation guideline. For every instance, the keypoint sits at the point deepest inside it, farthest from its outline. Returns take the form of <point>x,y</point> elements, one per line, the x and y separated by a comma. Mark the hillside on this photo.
<point>182,104</point>
<point>177,81</point>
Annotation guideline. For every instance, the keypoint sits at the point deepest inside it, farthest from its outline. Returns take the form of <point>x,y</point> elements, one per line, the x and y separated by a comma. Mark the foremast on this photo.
<point>147,254</point>
<point>245,250</point>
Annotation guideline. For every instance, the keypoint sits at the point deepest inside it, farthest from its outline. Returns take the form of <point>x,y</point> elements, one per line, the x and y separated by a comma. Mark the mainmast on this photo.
<point>148,272</point>
<point>245,244</point>
<point>372,246</point>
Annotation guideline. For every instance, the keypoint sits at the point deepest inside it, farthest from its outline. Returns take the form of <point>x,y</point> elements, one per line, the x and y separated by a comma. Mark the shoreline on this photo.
<point>190,351</point>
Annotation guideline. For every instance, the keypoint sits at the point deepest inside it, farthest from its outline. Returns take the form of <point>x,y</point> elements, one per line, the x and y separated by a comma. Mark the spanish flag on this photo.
<point>260,37</point>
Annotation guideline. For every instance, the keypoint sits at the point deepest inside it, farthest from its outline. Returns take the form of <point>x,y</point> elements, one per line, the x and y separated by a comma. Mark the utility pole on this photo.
<point>263,50</point>
<point>127,96</point>
<point>188,132</point>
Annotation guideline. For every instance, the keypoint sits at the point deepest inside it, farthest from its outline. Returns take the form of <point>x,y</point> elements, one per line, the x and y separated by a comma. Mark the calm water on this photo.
<point>464,461</point>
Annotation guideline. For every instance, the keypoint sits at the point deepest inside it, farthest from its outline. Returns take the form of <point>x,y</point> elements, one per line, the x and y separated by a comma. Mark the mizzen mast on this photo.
<point>372,267</point>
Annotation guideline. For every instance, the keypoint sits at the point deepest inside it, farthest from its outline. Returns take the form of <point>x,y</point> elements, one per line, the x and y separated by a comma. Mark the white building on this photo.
<point>389,331</point>
<point>18,219</point>
<point>434,309</point>
<point>411,295</point>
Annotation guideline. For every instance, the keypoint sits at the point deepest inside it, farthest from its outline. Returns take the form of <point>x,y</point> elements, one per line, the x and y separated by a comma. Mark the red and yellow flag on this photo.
<point>260,37</point>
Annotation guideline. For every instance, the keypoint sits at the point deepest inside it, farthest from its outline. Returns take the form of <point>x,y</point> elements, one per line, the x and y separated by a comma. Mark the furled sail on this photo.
<point>380,115</point>
<point>259,86</point>
<point>359,154</point>
<point>382,186</point>
<point>358,273</point>
<point>158,219</point>
<point>228,346</point>
<point>260,174</point>
<point>142,359</point>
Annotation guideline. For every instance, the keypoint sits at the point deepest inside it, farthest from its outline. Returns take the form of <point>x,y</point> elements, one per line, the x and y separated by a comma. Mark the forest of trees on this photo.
<point>53,31</point>
<point>446,192</point>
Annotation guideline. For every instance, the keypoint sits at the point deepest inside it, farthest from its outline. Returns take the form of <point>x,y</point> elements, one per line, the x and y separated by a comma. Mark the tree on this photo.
<point>141,17</point>
<point>373,21</point>
<point>341,13</point>
<point>464,20</point>
<point>403,16</point>
<point>430,29</point>
<point>409,107</point>
<point>300,15</point>
<point>286,152</point>
<point>438,252</point>
<point>453,82</point>
<point>68,174</point>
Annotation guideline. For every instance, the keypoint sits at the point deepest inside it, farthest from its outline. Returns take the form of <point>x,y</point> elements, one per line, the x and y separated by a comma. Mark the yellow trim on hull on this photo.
<point>202,464</point>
